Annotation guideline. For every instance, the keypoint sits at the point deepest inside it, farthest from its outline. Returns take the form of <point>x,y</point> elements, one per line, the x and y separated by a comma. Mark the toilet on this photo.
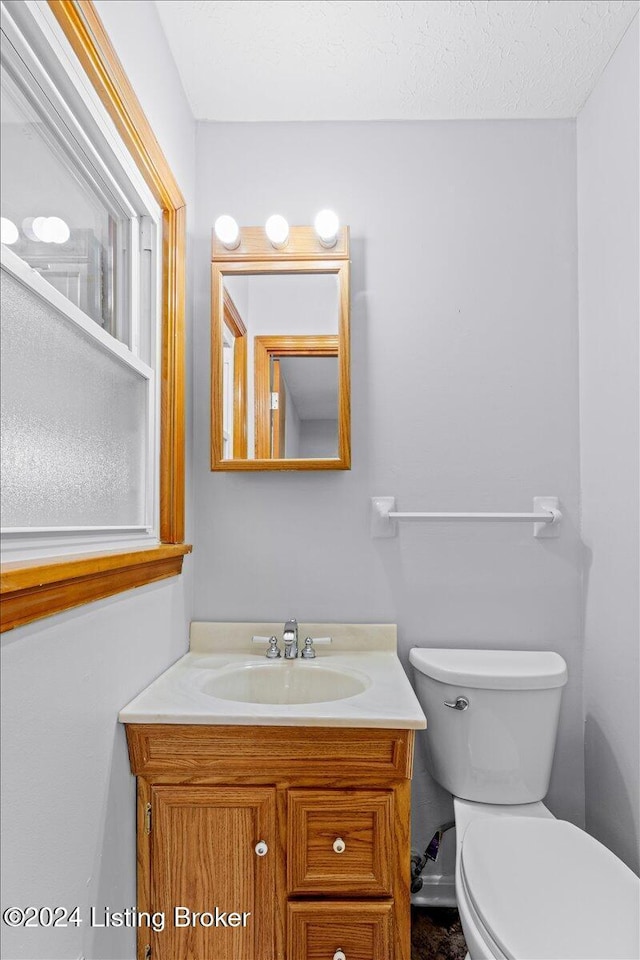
<point>528,886</point>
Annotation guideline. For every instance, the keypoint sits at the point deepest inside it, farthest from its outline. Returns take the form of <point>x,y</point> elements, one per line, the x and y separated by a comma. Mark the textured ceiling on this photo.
<point>391,59</point>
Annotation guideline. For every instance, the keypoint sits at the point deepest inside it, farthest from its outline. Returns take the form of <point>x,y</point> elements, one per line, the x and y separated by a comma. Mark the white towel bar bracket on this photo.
<point>545,517</point>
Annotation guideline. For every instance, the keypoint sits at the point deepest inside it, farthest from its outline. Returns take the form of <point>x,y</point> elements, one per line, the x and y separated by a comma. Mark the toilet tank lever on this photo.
<point>460,703</point>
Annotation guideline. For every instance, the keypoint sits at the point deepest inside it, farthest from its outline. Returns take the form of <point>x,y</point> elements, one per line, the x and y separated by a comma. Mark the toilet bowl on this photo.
<point>535,888</point>
<point>528,886</point>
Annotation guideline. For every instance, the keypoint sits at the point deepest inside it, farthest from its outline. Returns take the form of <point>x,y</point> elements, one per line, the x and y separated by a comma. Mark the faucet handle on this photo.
<point>308,651</point>
<point>273,652</point>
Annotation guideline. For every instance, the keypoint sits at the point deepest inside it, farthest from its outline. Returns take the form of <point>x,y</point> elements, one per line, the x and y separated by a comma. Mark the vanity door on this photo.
<point>213,853</point>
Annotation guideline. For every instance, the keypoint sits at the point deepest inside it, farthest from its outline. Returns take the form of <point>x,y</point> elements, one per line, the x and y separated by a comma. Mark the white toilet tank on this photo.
<point>498,748</point>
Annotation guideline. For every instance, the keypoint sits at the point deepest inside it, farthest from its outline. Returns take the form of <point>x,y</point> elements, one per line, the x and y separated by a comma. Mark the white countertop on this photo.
<point>364,651</point>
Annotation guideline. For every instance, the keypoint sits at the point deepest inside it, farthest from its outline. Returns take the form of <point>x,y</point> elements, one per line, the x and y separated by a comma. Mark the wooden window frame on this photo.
<point>34,589</point>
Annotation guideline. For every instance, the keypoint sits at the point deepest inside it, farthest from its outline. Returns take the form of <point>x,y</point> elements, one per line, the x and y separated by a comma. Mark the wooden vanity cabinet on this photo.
<point>202,855</point>
<point>305,830</point>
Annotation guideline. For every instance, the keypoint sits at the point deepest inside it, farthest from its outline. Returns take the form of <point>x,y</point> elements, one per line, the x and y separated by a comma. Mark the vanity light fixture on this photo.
<point>327,226</point>
<point>9,231</point>
<point>277,230</point>
<point>227,231</point>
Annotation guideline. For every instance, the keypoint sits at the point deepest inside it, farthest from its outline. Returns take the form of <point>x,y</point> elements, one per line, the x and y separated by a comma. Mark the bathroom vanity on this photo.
<point>284,826</point>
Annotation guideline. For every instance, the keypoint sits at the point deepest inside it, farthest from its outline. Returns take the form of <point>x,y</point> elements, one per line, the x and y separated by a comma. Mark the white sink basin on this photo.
<point>357,681</point>
<point>282,683</point>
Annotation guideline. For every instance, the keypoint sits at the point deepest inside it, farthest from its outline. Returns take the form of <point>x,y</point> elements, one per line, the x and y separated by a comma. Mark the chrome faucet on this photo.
<point>290,637</point>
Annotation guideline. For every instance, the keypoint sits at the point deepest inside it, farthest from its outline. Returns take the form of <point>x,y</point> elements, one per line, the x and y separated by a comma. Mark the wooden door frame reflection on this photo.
<point>264,350</point>
<point>279,416</point>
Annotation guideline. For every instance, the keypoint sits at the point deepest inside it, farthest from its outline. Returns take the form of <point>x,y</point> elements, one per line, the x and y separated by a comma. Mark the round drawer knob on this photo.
<point>339,846</point>
<point>339,955</point>
<point>261,849</point>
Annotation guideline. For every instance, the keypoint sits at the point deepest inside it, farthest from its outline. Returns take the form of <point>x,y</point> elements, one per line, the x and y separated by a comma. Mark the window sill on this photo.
<point>38,588</point>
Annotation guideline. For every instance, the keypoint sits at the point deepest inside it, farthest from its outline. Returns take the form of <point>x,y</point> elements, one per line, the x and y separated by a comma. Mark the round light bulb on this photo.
<point>9,231</point>
<point>227,231</point>
<point>326,226</point>
<point>41,229</point>
<point>27,228</point>
<point>57,230</point>
<point>277,230</point>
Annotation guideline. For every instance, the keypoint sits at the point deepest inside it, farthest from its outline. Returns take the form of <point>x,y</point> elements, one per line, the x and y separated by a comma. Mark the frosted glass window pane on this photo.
<point>73,422</point>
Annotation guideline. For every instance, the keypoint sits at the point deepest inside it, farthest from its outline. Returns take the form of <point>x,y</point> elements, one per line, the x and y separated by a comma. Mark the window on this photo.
<point>92,461</point>
<point>53,216</point>
<point>79,323</point>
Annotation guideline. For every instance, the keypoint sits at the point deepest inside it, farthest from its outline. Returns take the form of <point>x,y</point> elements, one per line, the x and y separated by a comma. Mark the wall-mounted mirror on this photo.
<point>280,355</point>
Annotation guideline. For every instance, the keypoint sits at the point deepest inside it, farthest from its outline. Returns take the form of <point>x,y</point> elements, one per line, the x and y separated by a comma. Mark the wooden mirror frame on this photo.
<point>304,254</point>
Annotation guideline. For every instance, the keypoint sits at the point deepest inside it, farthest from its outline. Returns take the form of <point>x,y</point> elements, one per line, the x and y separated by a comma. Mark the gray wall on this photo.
<point>68,797</point>
<point>609,308</point>
<point>465,395</point>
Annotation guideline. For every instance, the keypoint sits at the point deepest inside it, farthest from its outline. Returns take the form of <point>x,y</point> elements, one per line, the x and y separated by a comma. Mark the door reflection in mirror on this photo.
<point>305,423</point>
<point>280,366</point>
<point>296,394</point>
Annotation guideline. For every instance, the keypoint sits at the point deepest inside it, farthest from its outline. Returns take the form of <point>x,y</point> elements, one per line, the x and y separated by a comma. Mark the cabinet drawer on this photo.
<point>340,841</point>
<point>319,931</point>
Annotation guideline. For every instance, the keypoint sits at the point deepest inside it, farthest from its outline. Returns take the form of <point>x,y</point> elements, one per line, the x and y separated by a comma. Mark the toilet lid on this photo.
<point>545,890</point>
